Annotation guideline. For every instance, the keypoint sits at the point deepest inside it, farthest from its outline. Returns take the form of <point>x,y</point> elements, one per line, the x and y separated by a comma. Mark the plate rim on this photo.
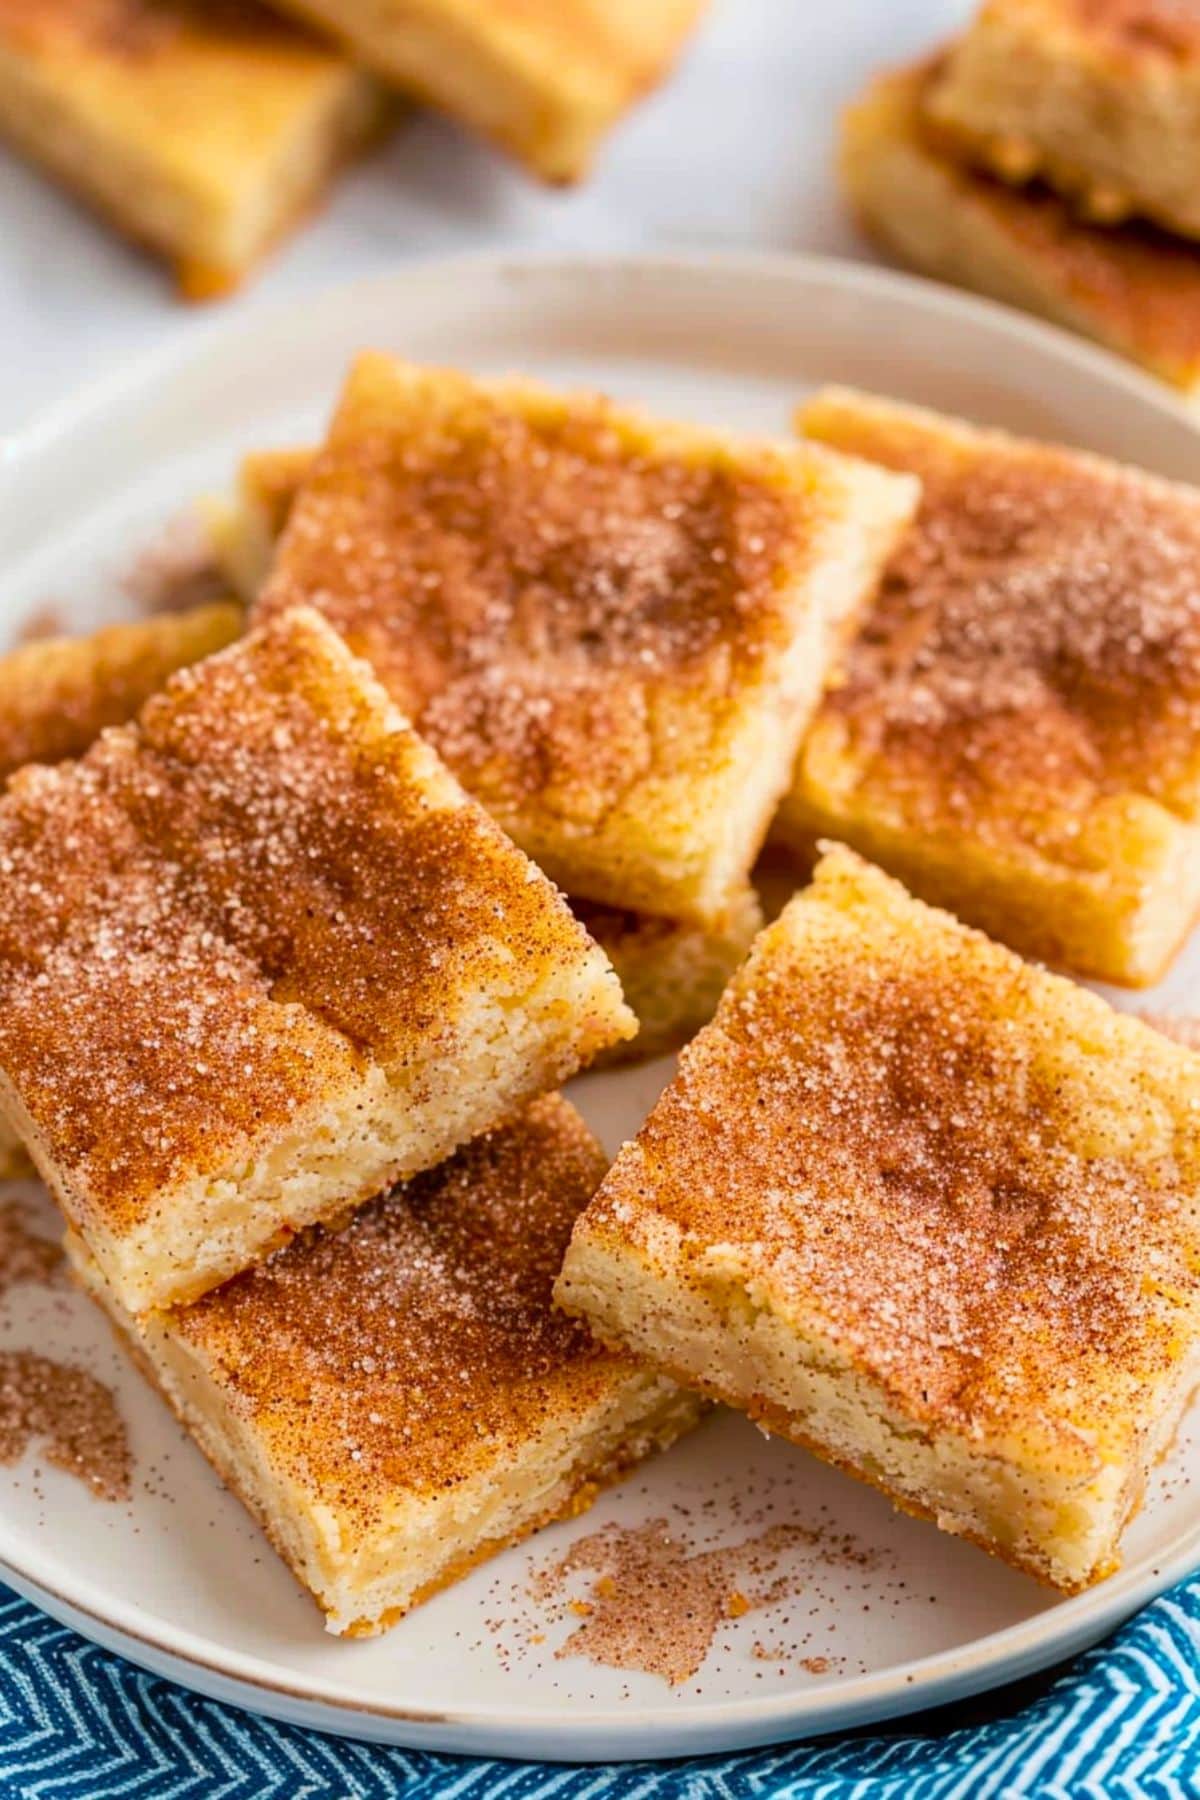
<point>99,392</point>
<point>1021,1649</point>
<point>214,1669</point>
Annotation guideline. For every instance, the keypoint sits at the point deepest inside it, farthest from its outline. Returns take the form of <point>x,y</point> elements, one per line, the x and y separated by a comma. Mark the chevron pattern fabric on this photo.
<point>79,1724</point>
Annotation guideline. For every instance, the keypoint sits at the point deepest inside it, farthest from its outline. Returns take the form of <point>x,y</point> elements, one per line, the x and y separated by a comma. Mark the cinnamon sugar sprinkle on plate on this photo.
<point>71,1414</point>
<point>656,1606</point>
<point>25,1256</point>
<point>175,570</point>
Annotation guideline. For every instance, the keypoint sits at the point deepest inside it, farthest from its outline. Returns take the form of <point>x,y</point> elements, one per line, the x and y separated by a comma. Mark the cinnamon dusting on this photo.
<point>25,1256</point>
<point>905,1132</point>
<point>526,576</point>
<point>418,1345</point>
<point>175,570</point>
<point>1036,639</point>
<point>45,621</point>
<point>1170,27</point>
<point>656,1606</point>
<point>71,1413</point>
<point>263,875</point>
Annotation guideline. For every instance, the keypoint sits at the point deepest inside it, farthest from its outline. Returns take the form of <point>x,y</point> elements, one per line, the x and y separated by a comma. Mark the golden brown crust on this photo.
<point>781,1423</point>
<point>230,909</point>
<point>1134,287</point>
<point>126,27</point>
<point>139,34</point>
<point>204,132</point>
<point>58,694</point>
<point>577,1502</point>
<point>364,120</point>
<point>243,528</point>
<point>1140,284</point>
<point>269,480</point>
<point>971,1179</point>
<point>588,615</point>
<point>544,81</point>
<point>1099,97</point>
<point>1035,646</point>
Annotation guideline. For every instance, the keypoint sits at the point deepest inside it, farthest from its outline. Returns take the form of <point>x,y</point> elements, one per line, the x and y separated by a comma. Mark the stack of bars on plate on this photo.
<point>207,129</point>
<point>1050,158</point>
<point>287,986</point>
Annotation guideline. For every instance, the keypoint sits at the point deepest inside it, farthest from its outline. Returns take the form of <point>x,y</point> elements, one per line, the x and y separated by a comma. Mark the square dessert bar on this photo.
<point>672,974</point>
<point>1101,97</point>
<point>928,1210</point>
<point>205,132</point>
<point>397,1401</point>
<point>545,80</point>
<point>1016,729</point>
<point>260,957</point>
<point>1131,287</point>
<point>614,630</point>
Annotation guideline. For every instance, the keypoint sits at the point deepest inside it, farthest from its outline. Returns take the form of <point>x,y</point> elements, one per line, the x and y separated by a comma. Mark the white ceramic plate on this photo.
<point>180,1580</point>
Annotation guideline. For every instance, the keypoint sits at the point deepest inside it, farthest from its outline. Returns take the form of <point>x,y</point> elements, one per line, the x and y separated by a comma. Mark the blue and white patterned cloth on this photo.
<point>79,1724</point>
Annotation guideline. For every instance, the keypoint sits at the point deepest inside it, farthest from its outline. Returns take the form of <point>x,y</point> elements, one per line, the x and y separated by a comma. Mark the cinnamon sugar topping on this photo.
<point>25,1255</point>
<point>595,617</point>
<point>1171,27</point>
<point>1037,638</point>
<point>72,1414</point>
<point>406,1351</point>
<point>524,572</point>
<point>57,697</point>
<point>223,912</point>
<point>979,1179</point>
<point>656,1606</point>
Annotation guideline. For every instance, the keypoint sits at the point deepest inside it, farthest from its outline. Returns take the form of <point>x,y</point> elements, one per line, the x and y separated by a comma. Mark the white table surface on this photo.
<point>734,152</point>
